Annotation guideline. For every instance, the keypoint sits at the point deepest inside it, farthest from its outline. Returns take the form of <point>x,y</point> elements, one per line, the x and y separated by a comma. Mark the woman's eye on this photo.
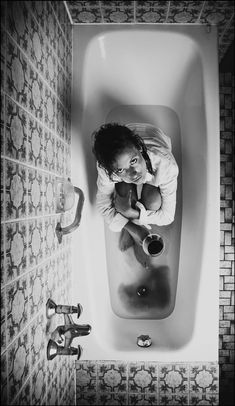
<point>133,161</point>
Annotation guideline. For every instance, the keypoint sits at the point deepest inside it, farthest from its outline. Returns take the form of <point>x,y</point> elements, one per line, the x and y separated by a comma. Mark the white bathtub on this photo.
<point>165,75</point>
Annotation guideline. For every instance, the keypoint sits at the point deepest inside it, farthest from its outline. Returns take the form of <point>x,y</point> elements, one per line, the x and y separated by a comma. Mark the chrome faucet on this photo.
<point>69,330</point>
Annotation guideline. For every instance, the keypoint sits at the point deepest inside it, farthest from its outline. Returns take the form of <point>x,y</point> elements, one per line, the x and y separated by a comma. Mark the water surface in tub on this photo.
<point>142,286</point>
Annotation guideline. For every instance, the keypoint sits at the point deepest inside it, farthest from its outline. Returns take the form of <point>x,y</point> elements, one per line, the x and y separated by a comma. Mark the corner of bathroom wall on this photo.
<point>36,54</point>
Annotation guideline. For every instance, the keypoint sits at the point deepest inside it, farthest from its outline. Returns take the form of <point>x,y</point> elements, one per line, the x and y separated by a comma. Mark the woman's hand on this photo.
<point>123,206</point>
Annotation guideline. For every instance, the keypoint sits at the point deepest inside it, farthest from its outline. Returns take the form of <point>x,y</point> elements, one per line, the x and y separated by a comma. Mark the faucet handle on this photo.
<point>53,349</point>
<point>52,308</point>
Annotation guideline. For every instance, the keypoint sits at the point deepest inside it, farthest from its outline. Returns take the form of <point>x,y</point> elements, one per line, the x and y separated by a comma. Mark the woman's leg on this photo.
<point>151,197</point>
<point>122,190</point>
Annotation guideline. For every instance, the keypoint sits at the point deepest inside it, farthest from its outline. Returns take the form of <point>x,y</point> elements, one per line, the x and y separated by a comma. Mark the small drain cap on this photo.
<point>144,341</point>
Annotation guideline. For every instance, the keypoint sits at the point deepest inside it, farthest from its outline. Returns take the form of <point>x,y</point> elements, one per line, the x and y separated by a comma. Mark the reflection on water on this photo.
<point>150,292</point>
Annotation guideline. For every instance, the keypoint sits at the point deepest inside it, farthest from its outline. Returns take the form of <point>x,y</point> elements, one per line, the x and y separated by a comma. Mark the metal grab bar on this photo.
<point>60,231</point>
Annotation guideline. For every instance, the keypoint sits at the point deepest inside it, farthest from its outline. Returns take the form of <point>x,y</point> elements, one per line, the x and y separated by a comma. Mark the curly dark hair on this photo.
<point>110,140</point>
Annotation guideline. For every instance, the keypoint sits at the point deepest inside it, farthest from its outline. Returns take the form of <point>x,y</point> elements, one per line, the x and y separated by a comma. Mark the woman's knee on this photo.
<point>151,197</point>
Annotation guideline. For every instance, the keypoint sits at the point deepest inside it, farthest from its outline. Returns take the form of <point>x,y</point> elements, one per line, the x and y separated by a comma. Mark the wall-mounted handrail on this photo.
<point>60,231</point>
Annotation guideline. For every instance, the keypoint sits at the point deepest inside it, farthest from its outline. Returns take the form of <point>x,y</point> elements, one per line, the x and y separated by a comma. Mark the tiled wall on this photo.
<point>216,12</point>
<point>149,383</point>
<point>35,149</point>
<point>227,242</point>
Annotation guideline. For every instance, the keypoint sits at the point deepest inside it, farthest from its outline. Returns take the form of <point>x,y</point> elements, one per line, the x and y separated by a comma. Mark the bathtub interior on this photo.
<point>101,92</point>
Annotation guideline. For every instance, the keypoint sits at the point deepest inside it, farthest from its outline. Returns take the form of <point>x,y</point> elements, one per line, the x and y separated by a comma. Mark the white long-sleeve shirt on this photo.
<point>165,172</point>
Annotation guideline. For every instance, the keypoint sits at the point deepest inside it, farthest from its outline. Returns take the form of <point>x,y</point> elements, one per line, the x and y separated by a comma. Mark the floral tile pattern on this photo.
<point>35,143</point>
<point>184,11</point>
<point>39,383</point>
<point>17,307</point>
<point>117,11</point>
<point>36,290</point>
<point>17,75</point>
<point>85,11</point>
<point>16,249</point>
<point>50,109</point>
<point>36,242</point>
<point>173,379</point>
<point>18,364</point>
<point>151,11</point>
<point>49,151</point>
<point>204,379</point>
<point>35,192</point>
<point>112,377</point>
<point>35,39</point>
<point>142,379</point>
<point>49,191</point>
<point>18,23</point>
<point>36,99</point>
<point>16,192</point>
<point>146,383</point>
<point>16,131</point>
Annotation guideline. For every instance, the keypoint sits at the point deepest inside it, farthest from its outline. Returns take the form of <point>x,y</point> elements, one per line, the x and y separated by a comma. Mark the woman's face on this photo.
<point>130,166</point>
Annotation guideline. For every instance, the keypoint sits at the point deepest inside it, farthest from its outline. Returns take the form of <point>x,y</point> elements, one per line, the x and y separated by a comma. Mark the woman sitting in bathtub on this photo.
<point>137,178</point>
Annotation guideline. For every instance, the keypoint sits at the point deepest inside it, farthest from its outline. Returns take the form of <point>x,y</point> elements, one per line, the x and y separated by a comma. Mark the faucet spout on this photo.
<point>70,331</point>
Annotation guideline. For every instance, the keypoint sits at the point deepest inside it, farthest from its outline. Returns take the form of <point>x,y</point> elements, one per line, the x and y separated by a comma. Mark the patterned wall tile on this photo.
<point>151,11</point>
<point>112,399</point>
<point>50,27</point>
<point>50,109</point>
<point>4,378</point>
<point>50,278</point>
<point>37,46</point>
<point>36,94</point>
<point>218,13</point>
<point>23,398</point>
<point>17,307</point>
<point>16,131</point>
<point>18,23</point>
<point>17,75</point>
<point>49,151</point>
<point>59,157</point>
<point>184,11</point>
<point>85,11</point>
<point>61,84</point>
<point>117,11</point>
<point>61,50</point>
<point>49,191</point>
<point>204,378</point>
<point>36,242</point>
<point>18,364</point>
<point>35,192</point>
<point>35,144</point>
<point>38,379</point>
<point>16,190</point>
<point>53,393</point>
<point>36,291</point>
<point>3,321</point>
<point>50,241</point>
<point>60,122</point>
<point>16,249</point>
<point>173,379</point>
<point>3,57</point>
<point>50,68</point>
<point>142,378</point>
<point>112,377</point>
<point>38,8</point>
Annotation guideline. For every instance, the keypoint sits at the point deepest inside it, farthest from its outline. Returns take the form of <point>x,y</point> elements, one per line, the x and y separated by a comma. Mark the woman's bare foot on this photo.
<point>125,241</point>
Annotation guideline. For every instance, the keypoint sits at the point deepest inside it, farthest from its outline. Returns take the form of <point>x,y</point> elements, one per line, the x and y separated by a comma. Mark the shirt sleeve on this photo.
<point>104,197</point>
<point>166,180</point>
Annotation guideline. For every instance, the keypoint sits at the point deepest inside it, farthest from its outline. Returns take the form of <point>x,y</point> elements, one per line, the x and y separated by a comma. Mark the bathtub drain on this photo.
<point>144,341</point>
